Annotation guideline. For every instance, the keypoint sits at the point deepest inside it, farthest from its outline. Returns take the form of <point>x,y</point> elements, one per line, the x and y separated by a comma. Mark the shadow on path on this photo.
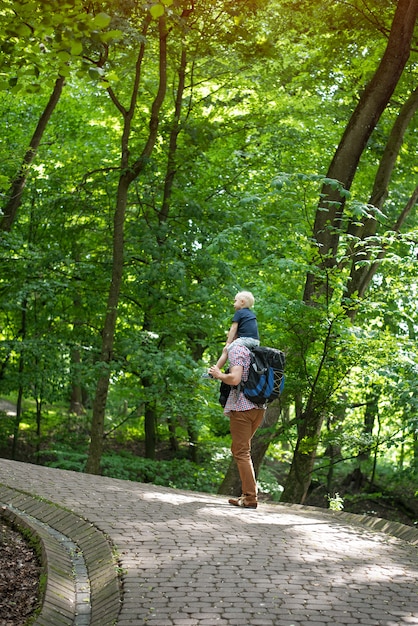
<point>190,559</point>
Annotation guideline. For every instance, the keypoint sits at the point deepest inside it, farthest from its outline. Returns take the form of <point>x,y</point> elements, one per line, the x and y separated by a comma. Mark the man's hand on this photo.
<point>233,377</point>
<point>215,372</point>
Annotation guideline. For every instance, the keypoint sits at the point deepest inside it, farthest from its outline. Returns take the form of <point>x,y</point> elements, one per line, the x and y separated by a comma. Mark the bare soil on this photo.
<point>20,572</point>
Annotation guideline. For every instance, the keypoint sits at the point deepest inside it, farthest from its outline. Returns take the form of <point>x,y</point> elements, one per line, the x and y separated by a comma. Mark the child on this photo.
<point>244,329</point>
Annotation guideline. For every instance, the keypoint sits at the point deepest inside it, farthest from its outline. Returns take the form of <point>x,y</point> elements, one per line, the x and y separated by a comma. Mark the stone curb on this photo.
<point>58,603</point>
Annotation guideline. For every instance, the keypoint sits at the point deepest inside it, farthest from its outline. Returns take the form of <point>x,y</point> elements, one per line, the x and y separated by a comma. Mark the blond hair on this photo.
<point>248,298</point>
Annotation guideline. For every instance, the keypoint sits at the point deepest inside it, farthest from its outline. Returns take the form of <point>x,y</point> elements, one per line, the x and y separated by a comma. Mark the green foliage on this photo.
<point>267,484</point>
<point>46,39</point>
<point>180,474</point>
<point>265,103</point>
<point>65,459</point>
<point>177,473</point>
<point>335,502</point>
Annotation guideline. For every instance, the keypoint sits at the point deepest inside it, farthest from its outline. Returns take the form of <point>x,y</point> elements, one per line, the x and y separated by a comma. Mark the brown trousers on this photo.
<point>243,425</point>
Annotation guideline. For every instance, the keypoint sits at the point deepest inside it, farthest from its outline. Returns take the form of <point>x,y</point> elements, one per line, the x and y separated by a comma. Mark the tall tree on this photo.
<point>129,171</point>
<point>167,228</point>
<point>329,215</point>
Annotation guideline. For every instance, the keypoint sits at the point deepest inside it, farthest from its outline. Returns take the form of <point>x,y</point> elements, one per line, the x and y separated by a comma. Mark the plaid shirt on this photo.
<point>239,355</point>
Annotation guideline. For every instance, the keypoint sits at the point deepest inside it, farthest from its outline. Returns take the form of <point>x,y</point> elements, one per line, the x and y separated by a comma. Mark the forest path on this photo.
<point>8,408</point>
<point>190,559</point>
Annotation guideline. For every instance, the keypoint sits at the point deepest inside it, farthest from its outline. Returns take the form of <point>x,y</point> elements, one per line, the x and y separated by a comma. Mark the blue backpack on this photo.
<point>265,380</point>
<point>265,377</point>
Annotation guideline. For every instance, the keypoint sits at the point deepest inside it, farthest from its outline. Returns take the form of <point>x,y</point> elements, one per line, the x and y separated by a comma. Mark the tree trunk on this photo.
<point>129,174</point>
<point>265,435</point>
<point>16,424</point>
<point>174,444</point>
<point>333,451</point>
<point>150,430</point>
<point>39,404</point>
<point>370,415</point>
<point>231,484</point>
<point>151,418</point>
<point>20,391</point>
<point>76,397</point>
<point>99,405</point>
<point>18,184</point>
<point>299,478</point>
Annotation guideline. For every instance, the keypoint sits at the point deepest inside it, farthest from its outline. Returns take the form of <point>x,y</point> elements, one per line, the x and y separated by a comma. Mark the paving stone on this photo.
<point>189,559</point>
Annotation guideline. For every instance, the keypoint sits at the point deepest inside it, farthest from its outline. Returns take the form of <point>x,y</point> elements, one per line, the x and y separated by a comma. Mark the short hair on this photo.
<point>248,298</point>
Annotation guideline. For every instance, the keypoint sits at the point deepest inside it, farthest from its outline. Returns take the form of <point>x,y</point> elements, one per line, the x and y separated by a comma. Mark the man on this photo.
<point>244,419</point>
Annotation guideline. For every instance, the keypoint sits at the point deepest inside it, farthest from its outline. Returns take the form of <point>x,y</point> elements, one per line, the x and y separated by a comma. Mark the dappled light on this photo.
<point>190,556</point>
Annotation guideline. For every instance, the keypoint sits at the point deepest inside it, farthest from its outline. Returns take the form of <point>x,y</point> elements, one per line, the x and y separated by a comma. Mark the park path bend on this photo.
<point>190,559</point>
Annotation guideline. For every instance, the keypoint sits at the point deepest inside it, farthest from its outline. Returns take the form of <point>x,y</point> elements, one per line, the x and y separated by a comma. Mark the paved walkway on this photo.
<point>190,559</point>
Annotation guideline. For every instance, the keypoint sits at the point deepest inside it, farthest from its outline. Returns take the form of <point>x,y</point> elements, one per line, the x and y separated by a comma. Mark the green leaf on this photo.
<point>4,181</point>
<point>76,48</point>
<point>157,10</point>
<point>111,35</point>
<point>23,30</point>
<point>64,70</point>
<point>112,77</point>
<point>101,20</point>
<point>63,56</point>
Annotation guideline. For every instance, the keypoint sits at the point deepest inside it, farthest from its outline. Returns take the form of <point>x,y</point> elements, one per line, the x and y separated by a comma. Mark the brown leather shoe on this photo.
<point>241,502</point>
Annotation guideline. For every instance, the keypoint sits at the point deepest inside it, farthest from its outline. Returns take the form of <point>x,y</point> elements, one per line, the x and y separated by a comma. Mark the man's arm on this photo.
<point>233,377</point>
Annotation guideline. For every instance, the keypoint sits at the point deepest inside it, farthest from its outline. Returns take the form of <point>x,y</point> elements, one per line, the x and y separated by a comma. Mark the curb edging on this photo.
<point>58,601</point>
<point>59,608</point>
